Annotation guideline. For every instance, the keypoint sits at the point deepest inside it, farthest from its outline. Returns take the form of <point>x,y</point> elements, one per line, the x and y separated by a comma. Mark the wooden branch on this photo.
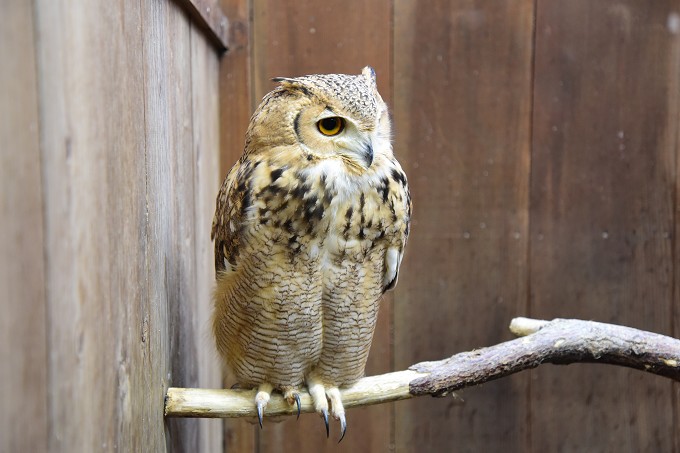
<point>561,341</point>
<point>181,402</point>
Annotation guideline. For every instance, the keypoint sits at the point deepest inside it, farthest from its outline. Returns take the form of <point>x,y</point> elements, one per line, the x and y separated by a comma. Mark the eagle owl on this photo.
<point>309,230</point>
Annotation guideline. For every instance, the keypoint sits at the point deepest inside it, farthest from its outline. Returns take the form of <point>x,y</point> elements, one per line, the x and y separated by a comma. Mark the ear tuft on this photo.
<point>369,73</point>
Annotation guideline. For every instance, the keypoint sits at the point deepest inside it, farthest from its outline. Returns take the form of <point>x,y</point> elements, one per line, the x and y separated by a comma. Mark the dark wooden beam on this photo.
<point>208,15</point>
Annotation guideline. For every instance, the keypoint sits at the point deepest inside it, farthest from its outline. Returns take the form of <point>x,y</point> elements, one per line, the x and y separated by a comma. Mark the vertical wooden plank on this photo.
<point>297,38</point>
<point>305,37</point>
<point>171,198</point>
<point>235,110</point>
<point>462,111</point>
<point>126,179</point>
<point>206,153</point>
<point>603,182</point>
<point>23,373</point>
<point>92,136</point>
<point>236,104</point>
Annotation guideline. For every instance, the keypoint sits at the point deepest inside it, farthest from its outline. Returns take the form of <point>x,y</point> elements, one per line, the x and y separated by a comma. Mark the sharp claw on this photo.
<point>343,427</point>
<point>325,420</point>
<point>297,401</point>
<point>259,414</point>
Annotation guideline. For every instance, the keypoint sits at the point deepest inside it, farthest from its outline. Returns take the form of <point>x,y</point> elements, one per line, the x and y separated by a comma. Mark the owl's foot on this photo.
<point>292,396</point>
<point>262,398</point>
<point>320,396</point>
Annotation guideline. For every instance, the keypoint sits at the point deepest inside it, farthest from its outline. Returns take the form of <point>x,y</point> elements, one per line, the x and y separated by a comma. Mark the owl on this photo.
<point>309,229</point>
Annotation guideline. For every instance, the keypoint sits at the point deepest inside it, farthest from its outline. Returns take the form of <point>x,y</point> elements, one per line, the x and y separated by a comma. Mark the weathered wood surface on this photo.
<point>23,346</point>
<point>560,342</point>
<point>603,211</point>
<point>541,143</point>
<point>92,137</point>
<point>462,108</point>
<point>170,164</point>
<point>107,216</point>
<point>206,159</point>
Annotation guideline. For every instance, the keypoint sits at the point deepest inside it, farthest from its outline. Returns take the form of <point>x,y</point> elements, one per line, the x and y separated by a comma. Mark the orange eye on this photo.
<point>331,126</point>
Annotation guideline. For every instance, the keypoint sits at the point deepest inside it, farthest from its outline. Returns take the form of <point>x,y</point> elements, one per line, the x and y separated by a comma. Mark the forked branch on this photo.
<point>561,341</point>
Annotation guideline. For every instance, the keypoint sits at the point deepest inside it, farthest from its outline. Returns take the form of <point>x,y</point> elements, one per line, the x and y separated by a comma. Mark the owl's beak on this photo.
<point>360,156</point>
<point>367,154</point>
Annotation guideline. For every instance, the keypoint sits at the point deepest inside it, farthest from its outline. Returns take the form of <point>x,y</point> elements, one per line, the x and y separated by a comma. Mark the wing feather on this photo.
<point>230,211</point>
<point>401,200</point>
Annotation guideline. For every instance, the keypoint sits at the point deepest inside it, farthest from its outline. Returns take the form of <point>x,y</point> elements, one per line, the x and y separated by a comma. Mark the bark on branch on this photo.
<point>561,341</point>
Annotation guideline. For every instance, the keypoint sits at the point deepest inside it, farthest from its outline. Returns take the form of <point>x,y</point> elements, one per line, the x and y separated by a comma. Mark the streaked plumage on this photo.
<point>309,233</point>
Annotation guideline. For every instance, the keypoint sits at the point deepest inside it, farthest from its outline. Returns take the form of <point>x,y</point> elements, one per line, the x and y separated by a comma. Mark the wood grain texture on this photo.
<point>108,137</point>
<point>23,353</point>
<point>170,161</point>
<point>560,342</point>
<point>92,135</point>
<point>306,37</point>
<point>236,104</point>
<point>205,132</point>
<point>602,220</point>
<point>462,113</point>
<point>128,127</point>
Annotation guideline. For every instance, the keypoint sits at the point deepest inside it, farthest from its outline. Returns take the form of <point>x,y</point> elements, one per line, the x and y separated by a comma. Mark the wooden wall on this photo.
<point>109,147</point>
<point>541,143</point>
<point>540,138</point>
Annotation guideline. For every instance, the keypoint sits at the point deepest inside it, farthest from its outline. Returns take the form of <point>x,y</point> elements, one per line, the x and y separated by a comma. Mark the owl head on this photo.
<point>324,117</point>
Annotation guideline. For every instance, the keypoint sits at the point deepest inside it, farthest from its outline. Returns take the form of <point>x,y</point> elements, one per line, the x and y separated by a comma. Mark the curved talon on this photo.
<point>325,420</point>
<point>262,398</point>
<point>297,401</point>
<point>259,413</point>
<point>343,427</point>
